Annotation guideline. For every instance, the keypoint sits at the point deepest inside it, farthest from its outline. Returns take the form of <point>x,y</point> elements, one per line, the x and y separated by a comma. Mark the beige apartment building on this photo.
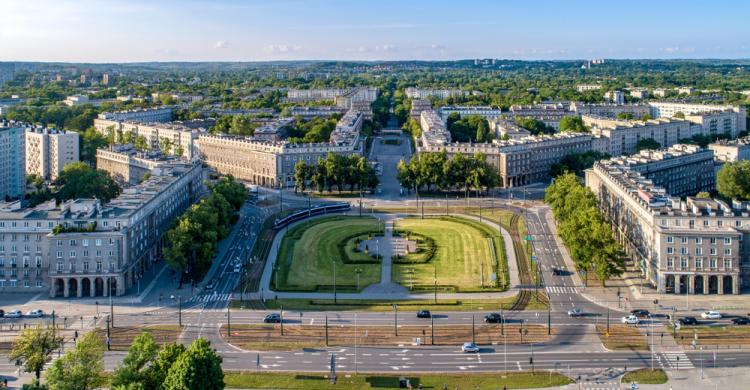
<point>47,151</point>
<point>182,138</point>
<point>692,246</point>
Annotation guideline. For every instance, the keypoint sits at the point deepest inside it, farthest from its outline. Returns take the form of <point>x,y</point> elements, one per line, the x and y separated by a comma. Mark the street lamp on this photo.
<point>395,319</point>
<point>335,301</point>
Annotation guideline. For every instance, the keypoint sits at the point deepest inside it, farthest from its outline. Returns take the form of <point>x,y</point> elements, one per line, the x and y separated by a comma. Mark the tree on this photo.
<point>647,144</point>
<point>135,365</point>
<point>534,126</point>
<point>679,115</point>
<point>625,115</point>
<point>165,144</point>
<point>159,369</point>
<point>79,180</point>
<point>34,346</point>
<point>234,191</point>
<point>199,367</point>
<point>90,140</point>
<point>703,195</point>
<point>80,368</point>
<point>733,180</point>
<point>573,124</point>
<point>140,143</point>
<point>302,173</point>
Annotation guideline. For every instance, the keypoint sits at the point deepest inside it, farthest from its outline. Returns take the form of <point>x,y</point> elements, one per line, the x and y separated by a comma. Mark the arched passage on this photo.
<point>713,284</point>
<point>698,284</point>
<point>669,287</point>
<point>728,287</point>
<point>86,287</point>
<point>73,287</point>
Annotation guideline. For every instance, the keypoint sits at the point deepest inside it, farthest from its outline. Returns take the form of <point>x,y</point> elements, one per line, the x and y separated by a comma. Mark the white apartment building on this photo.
<point>47,151</point>
<point>731,151</point>
<point>669,109</point>
<point>588,87</point>
<point>434,131</point>
<point>424,93</point>
<point>639,93</point>
<point>609,110</point>
<point>616,97</point>
<point>483,111</point>
<point>660,92</point>
<point>623,135</point>
<point>182,138</point>
<point>76,100</point>
<point>158,114</point>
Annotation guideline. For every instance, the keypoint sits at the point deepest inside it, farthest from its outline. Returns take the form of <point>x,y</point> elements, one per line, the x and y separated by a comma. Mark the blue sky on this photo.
<point>254,30</point>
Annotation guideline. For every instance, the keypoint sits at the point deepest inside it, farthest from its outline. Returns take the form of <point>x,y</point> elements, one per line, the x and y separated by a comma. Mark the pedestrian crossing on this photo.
<point>677,360</point>
<point>601,386</point>
<point>561,290</point>
<point>207,298</point>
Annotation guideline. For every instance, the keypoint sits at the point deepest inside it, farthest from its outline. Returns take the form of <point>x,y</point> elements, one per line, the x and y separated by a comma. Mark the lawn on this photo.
<point>645,376</point>
<point>622,337</point>
<point>308,251</point>
<point>464,248</point>
<point>313,381</point>
<point>714,335</point>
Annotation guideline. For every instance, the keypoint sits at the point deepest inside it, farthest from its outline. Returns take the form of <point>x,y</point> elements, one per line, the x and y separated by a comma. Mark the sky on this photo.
<point>255,30</point>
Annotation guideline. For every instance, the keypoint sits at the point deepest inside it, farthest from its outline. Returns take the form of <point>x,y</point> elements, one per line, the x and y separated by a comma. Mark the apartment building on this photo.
<point>588,87</point>
<point>660,92</point>
<point>271,163</point>
<point>417,106</point>
<point>483,111</point>
<point>12,162</point>
<point>623,135</point>
<point>182,138</point>
<point>273,131</point>
<point>609,110</point>
<point>693,246</point>
<point>616,97</point>
<point>507,129</point>
<point>47,151</point>
<point>425,93</point>
<point>434,130</point>
<point>310,112</point>
<point>669,109</point>
<point>306,95</point>
<point>158,114</point>
<point>83,248</point>
<point>549,113</point>
<point>731,151</point>
<point>639,93</point>
<point>129,166</point>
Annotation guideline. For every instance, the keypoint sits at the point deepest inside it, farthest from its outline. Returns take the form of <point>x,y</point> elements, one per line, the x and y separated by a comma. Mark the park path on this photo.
<point>391,290</point>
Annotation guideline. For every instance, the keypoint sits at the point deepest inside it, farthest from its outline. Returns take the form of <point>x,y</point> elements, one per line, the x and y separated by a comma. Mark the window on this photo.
<point>705,222</point>
<point>738,223</point>
<point>85,253</point>
<point>670,239</point>
<point>26,283</point>
<point>85,242</point>
<point>684,250</point>
<point>39,283</point>
<point>670,250</point>
<point>98,253</point>
<point>712,263</point>
<point>684,240</point>
<point>72,242</point>
<point>727,251</point>
<point>727,264</point>
<point>699,263</point>
<point>59,254</point>
<point>98,265</point>
<point>670,263</point>
<point>683,263</point>
<point>85,265</point>
<point>59,243</point>
<point>72,253</point>
<point>712,240</point>
<point>727,240</point>
<point>712,251</point>
<point>98,242</point>
<point>698,250</point>
<point>698,240</point>
<point>59,267</point>
<point>111,241</point>
<point>719,223</point>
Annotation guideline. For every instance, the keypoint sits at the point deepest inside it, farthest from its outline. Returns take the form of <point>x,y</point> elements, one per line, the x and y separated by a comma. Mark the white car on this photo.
<point>630,320</point>
<point>14,314</point>
<point>575,312</point>
<point>711,315</point>
<point>469,347</point>
<point>35,313</point>
<point>237,267</point>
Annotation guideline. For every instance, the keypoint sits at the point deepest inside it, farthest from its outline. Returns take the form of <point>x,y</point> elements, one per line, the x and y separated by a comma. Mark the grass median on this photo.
<point>312,381</point>
<point>735,336</point>
<point>387,305</point>
<point>645,376</point>
<point>622,338</point>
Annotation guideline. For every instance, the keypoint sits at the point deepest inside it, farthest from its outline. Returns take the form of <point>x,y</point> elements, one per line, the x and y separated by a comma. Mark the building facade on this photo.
<point>47,151</point>
<point>731,151</point>
<point>159,114</point>
<point>425,93</point>
<point>12,162</point>
<point>182,138</point>
<point>669,109</point>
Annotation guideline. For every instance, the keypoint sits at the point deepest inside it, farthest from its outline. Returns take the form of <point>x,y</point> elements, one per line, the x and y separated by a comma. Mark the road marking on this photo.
<point>519,366</point>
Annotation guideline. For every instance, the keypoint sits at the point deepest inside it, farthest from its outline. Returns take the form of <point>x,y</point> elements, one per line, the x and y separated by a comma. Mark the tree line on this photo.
<point>145,366</point>
<point>194,236</point>
<point>335,171</point>
<point>436,171</point>
<point>583,228</point>
<point>471,128</point>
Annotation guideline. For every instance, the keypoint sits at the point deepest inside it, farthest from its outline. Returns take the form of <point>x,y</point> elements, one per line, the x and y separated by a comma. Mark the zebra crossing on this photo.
<point>561,290</point>
<point>207,298</point>
<point>676,360</point>
<point>601,386</point>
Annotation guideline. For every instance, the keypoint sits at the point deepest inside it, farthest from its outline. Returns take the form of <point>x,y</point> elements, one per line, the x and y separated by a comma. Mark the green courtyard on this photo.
<point>309,251</point>
<point>465,255</point>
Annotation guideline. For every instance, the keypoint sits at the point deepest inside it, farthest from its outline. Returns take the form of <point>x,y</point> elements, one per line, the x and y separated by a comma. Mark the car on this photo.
<point>493,318</point>
<point>688,321</point>
<point>469,348</point>
<point>630,320</point>
<point>273,318</point>
<point>741,321</point>
<point>640,313</point>
<point>36,313</point>
<point>2,313</point>
<point>209,285</point>
<point>14,314</point>
<point>557,271</point>
<point>237,267</point>
<point>575,312</point>
<point>711,315</point>
<point>424,314</point>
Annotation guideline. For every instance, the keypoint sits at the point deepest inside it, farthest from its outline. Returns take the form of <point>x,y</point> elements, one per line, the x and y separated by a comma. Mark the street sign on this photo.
<point>533,257</point>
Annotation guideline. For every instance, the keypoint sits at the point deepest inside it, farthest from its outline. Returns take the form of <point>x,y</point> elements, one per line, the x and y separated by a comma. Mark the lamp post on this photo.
<point>395,319</point>
<point>335,300</point>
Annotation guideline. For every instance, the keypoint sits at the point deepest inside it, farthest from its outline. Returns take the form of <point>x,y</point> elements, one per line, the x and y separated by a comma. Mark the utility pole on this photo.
<point>473,336</point>
<point>281,318</point>
<point>395,319</point>
<point>549,319</point>
<point>54,328</point>
<point>229,326</point>
<point>111,306</point>
<point>335,301</point>
<point>179,310</point>
<point>109,340</point>
<point>326,329</point>
<point>436,291</point>
<point>432,329</point>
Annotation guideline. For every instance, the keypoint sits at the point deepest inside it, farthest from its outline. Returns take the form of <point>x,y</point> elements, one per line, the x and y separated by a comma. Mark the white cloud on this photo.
<point>283,48</point>
<point>221,45</point>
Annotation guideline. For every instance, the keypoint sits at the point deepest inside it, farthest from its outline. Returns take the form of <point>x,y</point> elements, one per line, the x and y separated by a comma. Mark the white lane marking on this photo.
<point>519,366</point>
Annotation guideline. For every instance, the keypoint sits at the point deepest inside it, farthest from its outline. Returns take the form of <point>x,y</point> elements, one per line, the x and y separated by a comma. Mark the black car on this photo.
<point>556,271</point>
<point>688,321</point>
<point>424,314</point>
<point>640,313</point>
<point>493,318</point>
<point>273,318</point>
<point>2,313</point>
<point>741,321</point>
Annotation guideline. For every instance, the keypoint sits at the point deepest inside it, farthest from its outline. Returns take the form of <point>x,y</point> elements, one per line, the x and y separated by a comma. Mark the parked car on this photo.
<point>273,318</point>
<point>741,321</point>
<point>688,321</point>
<point>557,271</point>
<point>14,314</point>
<point>424,314</point>
<point>630,320</point>
<point>209,286</point>
<point>711,315</point>
<point>640,313</point>
<point>469,347</point>
<point>493,318</point>
<point>36,313</point>
<point>237,267</point>
<point>575,312</point>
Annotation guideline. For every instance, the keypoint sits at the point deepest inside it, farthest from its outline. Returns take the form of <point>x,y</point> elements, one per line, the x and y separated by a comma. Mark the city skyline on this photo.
<point>314,30</point>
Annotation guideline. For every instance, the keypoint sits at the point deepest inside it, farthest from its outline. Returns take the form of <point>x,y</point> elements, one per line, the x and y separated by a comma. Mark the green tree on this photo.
<point>34,346</point>
<point>140,143</point>
<point>79,180</point>
<point>733,180</point>
<point>80,368</point>
<point>703,195</point>
<point>625,115</point>
<point>679,115</point>
<point>165,144</point>
<point>647,144</point>
<point>234,191</point>
<point>134,367</point>
<point>573,124</point>
<point>199,367</point>
<point>302,173</point>
<point>89,141</point>
<point>159,369</point>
